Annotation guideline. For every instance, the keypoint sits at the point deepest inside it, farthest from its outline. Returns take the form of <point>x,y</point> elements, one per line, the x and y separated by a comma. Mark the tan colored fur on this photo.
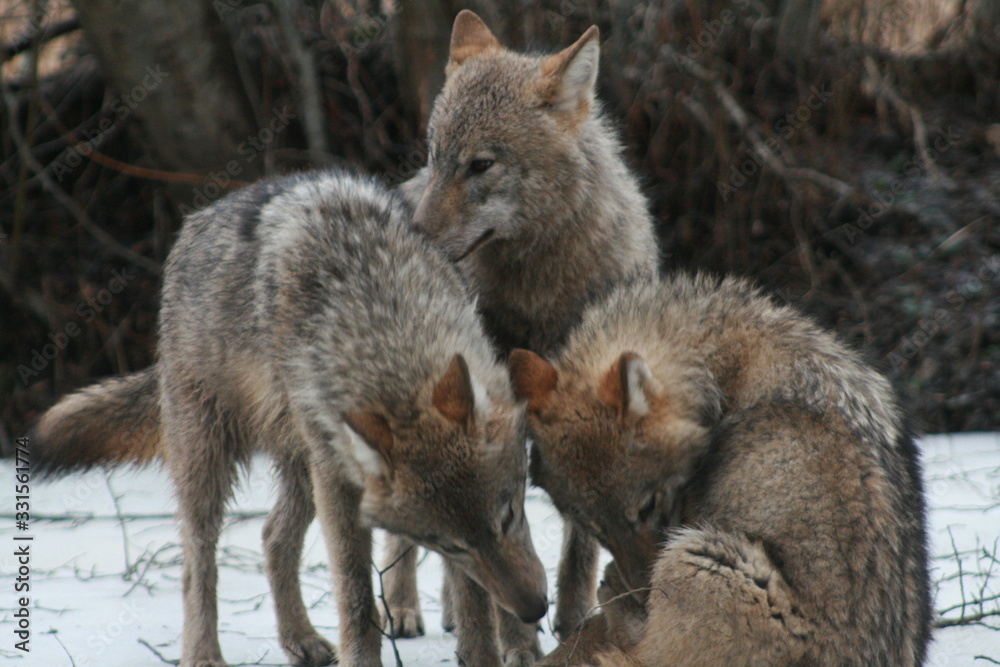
<point>75,433</point>
<point>554,219</point>
<point>750,475</point>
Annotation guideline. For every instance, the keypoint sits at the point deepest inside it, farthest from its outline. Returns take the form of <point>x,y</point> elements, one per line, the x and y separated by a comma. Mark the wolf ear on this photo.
<point>458,396</point>
<point>371,441</point>
<point>627,386</point>
<point>567,79</point>
<point>469,37</point>
<point>534,379</point>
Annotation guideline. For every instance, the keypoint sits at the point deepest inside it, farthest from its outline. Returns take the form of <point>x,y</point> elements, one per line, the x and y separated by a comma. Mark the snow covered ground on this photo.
<point>105,567</point>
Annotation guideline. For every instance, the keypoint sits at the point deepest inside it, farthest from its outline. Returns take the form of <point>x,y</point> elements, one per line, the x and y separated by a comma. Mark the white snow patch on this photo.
<point>99,585</point>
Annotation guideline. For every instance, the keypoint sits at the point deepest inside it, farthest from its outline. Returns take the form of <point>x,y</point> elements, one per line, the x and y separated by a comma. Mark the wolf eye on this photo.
<point>478,166</point>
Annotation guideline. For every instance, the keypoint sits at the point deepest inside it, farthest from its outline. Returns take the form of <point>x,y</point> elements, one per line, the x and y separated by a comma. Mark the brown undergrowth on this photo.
<point>860,180</point>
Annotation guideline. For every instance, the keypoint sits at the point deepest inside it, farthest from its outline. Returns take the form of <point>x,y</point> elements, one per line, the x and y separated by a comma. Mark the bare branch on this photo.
<point>159,655</point>
<point>884,88</point>
<point>742,121</point>
<point>385,607</point>
<point>59,195</point>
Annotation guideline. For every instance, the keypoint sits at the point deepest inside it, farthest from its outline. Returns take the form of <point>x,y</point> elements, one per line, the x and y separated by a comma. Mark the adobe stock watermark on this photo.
<point>368,29</point>
<point>219,181</point>
<point>910,345</point>
<point>88,310</point>
<point>99,642</point>
<point>713,29</point>
<point>741,170</point>
<point>408,165</point>
<point>121,106</point>
<point>225,7</point>
<point>566,9</point>
<point>943,141</point>
<point>898,14</point>
<point>39,15</point>
<point>442,474</point>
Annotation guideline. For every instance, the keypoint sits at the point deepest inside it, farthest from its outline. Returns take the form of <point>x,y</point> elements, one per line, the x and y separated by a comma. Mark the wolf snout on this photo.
<point>519,586</point>
<point>533,610</point>
<point>526,601</point>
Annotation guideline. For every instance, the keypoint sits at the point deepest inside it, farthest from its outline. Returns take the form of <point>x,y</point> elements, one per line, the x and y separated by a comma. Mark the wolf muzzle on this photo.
<point>515,578</point>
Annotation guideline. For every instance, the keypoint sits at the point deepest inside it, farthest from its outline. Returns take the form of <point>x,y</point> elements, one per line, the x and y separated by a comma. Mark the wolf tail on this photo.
<point>112,423</point>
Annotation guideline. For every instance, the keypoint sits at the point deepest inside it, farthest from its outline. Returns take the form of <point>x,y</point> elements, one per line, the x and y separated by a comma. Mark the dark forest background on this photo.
<point>843,153</point>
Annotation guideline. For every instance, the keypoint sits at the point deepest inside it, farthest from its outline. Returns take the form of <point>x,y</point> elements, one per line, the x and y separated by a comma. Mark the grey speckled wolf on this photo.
<point>751,475</point>
<point>302,317</point>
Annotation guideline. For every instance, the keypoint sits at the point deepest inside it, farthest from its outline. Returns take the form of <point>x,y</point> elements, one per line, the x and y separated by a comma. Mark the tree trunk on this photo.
<point>171,64</point>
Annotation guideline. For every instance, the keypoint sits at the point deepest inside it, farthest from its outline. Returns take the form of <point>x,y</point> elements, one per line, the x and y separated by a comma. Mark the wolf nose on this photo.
<point>535,610</point>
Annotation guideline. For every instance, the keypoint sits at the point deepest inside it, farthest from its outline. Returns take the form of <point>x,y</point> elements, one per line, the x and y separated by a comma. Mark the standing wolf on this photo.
<point>750,475</point>
<point>526,190</point>
<point>302,317</point>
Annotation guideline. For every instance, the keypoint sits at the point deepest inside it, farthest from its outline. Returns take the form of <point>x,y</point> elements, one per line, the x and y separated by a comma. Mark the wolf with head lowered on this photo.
<point>751,475</point>
<point>302,317</point>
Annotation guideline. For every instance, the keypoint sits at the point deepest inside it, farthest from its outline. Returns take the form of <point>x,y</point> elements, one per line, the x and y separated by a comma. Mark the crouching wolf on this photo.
<point>302,317</point>
<point>527,191</point>
<point>750,475</point>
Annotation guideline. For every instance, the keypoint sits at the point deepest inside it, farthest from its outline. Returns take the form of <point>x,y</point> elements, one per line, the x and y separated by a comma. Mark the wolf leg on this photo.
<point>284,534</point>
<point>476,626</point>
<point>203,476</point>
<point>350,548</point>
<point>518,640</point>
<point>447,604</point>
<point>576,581</point>
<point>399,567</point>
<point>581,647</point>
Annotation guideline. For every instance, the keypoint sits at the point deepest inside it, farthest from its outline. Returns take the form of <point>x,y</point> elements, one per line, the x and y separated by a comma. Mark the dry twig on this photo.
<point>884,88</point>
<point>385,608</point>
<point>742,121</point>
<point>110,242</point>
<point>159,655</point>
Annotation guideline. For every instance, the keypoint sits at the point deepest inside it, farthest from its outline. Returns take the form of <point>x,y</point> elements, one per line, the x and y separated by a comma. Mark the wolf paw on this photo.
<point>310,651</point>
<point>519,658</point>
<point>406,623</point>
<point>447,617</point>
<point>447,623</point>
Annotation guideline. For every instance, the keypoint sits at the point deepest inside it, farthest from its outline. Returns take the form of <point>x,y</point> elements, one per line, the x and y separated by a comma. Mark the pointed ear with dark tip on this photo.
<point>534,379</point>
<point>469,37</point>
<point>567,79</point>
<point>371,441</point>
<point>626,386</point>
<point>455,395</point>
